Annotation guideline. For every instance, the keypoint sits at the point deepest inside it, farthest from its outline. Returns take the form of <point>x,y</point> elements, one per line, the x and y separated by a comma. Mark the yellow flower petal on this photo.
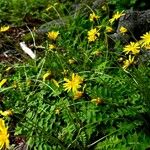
<point>78,95</point>
<point>47,75</point>
<point>133,47</point>
<point>71,61</point>
<point>93,34</point>
<point>123,29</point>
<point>97,101</point>
<point>109,29</point>
<point>93,17</point>
<point>128,62</point>
<point>4,28</point>
<point>6,113</point>
<point>3,82</point>
<point>145,39</point>
<point>116,16</point>
<point>51,46</point>
<point>53,35</point>
<point>4,136</point>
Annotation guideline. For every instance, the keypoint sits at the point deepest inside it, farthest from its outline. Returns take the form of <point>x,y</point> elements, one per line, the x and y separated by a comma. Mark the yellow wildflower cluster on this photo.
<point>93,17</point>
<point>93,34</point>
<point>74,84</point>
<point>133,48</point>
<point>4,136</point>
<point>116,16</point>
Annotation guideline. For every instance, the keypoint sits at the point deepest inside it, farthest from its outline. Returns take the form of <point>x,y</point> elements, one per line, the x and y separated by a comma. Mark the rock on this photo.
<point>136,22</point>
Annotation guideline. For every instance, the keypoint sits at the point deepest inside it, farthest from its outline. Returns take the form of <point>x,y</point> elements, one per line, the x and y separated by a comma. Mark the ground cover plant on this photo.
<point>76,88</point>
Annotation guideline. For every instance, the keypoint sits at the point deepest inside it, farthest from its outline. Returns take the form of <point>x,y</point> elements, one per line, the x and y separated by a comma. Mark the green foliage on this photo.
<point>23,11</point>
<point>136,141</point>
<point>112,113</point>
<point>124,4</point>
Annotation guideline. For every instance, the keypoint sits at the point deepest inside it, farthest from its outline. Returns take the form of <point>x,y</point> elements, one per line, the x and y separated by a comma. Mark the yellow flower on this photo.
<point>92,35</point>
<point>73,84</point>
<point>132,47</point>
<point>93,17</point>
<point>109,29</point>
<point>4,28</point>
<point>123,29</point>
<point>116,16</point>
<point>4,136</point>
<point>104,7</point>
<point>3,82</point>
<point>53,35</point>
<point>146,39</point>
<point>128,62</point>
<point>97,101</point>
<point>51,46</point>
<point>96,53</point>
<point>78,95</point>
<point>65,72</point>
<point>71,61</point>
<point>57,111</point>
<point>6,113</point>
<point>120,59</point>
<point>47,75</point>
